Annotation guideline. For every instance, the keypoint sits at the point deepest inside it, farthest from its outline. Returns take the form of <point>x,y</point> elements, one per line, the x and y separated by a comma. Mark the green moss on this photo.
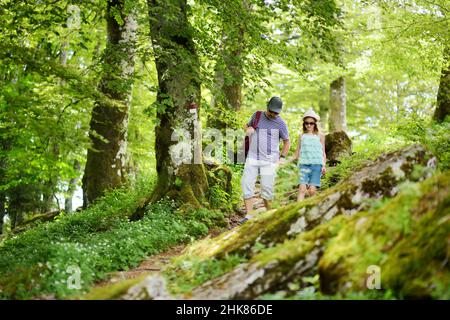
<point>290,251</point>
<point>22,282</point>
<point>112,291</point>
<point>381,186</point>
<point>187,273</point>
<point>269,228</point>
<point>418,265</point>
<point>407,237</point>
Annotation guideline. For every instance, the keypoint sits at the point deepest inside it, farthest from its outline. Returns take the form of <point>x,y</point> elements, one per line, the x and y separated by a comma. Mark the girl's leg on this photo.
<point>316,173</point>
<point>301,192</point>
<point>312,190</point>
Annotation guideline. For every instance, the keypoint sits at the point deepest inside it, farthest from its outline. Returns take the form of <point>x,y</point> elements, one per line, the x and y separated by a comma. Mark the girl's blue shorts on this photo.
<point>310,174</point>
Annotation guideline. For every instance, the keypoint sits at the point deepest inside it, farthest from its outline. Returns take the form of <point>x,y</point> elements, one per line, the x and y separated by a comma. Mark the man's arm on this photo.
<point>286,146</point>
<point>248,129</point>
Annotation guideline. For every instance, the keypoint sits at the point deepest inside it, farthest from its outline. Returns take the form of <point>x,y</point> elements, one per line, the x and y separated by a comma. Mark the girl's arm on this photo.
<point>322,140</point>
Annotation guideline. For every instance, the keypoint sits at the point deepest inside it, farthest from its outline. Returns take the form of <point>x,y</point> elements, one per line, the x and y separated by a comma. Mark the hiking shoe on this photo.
<point>245,219</point>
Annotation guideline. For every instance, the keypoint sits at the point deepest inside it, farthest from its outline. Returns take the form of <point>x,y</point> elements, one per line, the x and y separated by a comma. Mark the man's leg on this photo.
<point>267,181</point>
<point>248,185</point>
<point>248,205</point>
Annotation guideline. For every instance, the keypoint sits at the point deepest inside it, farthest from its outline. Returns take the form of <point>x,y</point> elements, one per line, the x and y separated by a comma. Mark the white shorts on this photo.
<point>267,170</point>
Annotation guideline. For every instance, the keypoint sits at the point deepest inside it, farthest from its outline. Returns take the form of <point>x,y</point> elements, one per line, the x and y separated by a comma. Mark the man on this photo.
<point>264,155</point>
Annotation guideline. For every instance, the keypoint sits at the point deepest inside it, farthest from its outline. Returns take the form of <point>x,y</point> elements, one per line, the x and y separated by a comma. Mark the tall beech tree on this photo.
<point>338,106</point>
<point>177,103</point>
<point>443,96</point>
<point>106,164</point>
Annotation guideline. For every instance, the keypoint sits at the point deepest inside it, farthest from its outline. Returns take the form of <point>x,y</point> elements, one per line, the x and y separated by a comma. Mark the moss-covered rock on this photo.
<point>337,145</point>
<point>114,291</point>
<point>407,237</point>
<point>378,179</point>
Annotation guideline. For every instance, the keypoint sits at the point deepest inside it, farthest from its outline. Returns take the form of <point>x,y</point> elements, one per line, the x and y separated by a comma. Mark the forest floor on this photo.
<point>154,263</point>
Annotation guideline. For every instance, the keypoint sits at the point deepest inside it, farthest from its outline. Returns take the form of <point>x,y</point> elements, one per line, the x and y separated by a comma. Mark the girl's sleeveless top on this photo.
<point>311,149</point>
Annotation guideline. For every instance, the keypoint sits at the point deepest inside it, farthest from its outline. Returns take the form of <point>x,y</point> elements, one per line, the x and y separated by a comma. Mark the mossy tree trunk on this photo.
<point>178,101</point>
<point>106,165</point>
<point>338,109</point>
<point>443,96</point>
<point>23,199</point>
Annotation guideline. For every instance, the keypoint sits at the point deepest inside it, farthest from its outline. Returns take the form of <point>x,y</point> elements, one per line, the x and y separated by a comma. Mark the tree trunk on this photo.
<point>338,121</point>
<point>106,165</point>
<point>177,101</point>
<point>324,108</point>
<point>443,96</point>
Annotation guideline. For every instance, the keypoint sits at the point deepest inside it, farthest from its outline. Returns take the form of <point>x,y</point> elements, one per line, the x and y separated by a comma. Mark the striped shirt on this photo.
<point>265,142</point>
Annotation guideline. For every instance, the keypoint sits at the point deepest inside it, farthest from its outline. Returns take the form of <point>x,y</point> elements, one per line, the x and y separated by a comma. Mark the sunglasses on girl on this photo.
<point>309,123</point>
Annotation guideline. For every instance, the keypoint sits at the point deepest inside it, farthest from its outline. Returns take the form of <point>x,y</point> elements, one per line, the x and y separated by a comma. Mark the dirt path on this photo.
<point>152,264</point>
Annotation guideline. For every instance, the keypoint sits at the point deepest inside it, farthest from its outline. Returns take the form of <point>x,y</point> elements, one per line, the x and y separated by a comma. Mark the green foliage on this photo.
<point>219,198</point>
<point>236,189</point>
<point>434,135</point>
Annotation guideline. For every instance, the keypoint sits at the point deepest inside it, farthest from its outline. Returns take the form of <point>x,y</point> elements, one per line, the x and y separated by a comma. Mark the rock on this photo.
<point>407,239</point>
<point>337,145</point>
<point>151,288</point>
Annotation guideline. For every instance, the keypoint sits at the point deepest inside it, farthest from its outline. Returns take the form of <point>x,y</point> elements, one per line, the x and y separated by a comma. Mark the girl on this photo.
<point>311,151</point>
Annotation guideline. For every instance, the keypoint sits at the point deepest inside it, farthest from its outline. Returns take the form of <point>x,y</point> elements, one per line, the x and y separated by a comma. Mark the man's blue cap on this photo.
<point>275,104</point>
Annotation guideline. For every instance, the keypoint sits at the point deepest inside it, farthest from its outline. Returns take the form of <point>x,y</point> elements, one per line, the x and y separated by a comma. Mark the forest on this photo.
<point>123,169</point>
